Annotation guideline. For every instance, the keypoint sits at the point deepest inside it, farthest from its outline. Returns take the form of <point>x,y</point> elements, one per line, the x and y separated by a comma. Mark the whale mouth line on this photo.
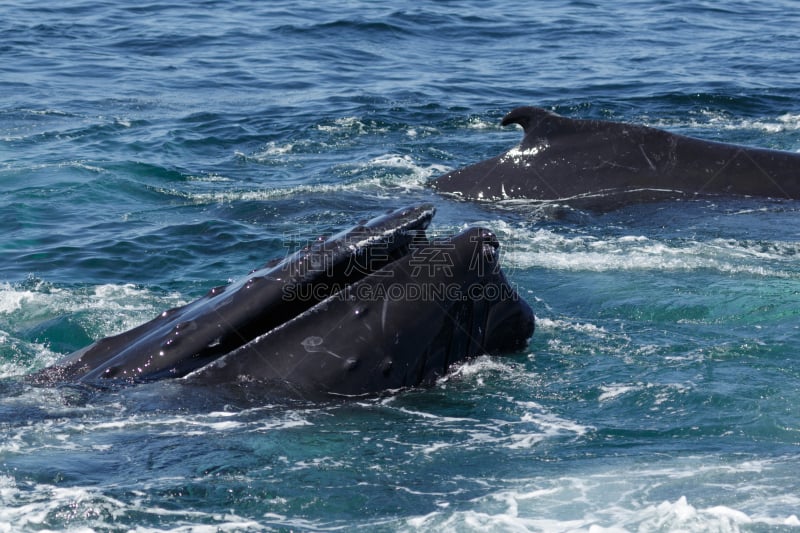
<point>324,268</point>
<point>184,339</point>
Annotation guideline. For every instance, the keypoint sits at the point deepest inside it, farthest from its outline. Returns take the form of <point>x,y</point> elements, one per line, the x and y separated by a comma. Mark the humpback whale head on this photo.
<point>376,307</point>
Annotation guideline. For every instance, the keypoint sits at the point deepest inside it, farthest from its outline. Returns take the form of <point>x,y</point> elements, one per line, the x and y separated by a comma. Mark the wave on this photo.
<point>520,423</point>
<point>707,122</point>
<point>39,322</point>
<point>380,177</point>
<point>537,509</point>
<point>557,249</point>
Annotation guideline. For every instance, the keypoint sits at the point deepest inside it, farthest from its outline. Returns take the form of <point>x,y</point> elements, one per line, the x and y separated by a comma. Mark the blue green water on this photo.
<point>151,151</point>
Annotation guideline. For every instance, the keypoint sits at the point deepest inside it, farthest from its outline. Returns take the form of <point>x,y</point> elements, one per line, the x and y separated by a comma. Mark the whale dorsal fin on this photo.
<point>540,123</point>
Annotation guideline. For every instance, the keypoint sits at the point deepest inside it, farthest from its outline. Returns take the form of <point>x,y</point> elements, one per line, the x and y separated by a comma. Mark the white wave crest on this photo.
<point>379,177</point>
<point>608,500</point>
<point>546,248</point>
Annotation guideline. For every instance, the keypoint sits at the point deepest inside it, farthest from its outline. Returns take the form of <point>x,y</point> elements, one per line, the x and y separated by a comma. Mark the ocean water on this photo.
<point>150,151</point>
